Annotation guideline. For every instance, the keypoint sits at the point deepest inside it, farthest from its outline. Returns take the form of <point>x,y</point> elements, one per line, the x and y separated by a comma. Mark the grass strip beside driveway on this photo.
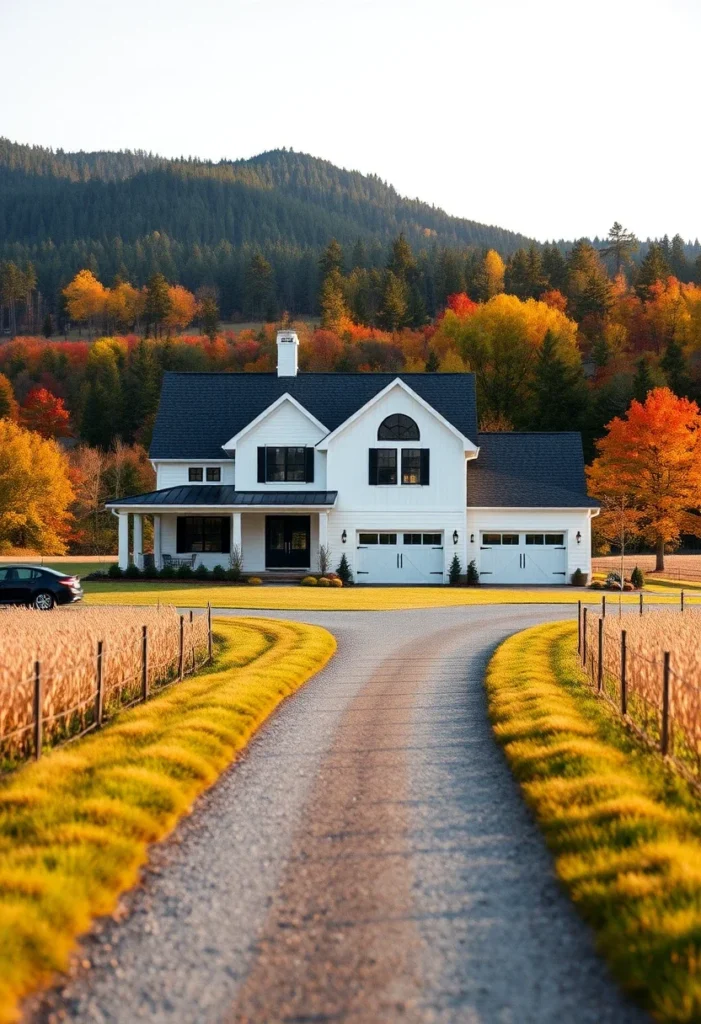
<point>75,827</point>
<point>624,829</point>
<point>371,599</point>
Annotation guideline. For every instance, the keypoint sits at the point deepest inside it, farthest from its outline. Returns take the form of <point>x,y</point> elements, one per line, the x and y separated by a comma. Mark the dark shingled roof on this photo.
<point>199,412</point>
<point>528,471</point>
<point>210,494</point>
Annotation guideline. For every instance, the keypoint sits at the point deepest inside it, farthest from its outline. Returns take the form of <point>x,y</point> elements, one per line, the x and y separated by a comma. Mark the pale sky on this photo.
<point>550,117</point>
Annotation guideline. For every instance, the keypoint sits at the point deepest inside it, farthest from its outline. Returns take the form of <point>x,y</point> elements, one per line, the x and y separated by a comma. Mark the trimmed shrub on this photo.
<point>202,572</point>
<point>309,581</point>
<point>473,577</point>
<point>254,581</point>
<point>579,578</point>
<point>336,583</point>
<point>628,586</point>
<point>455,571</point>
<point>133,572</point>
<point>596,585</point>
<point>637,578</point>
<point>114,572</point>
<point>167,573</point>
<point>219,573</point>
<point>184,572</point>
<point>343,570</point>
<point>332,576</point>
<point>323,582</point>
<point>613,581</point>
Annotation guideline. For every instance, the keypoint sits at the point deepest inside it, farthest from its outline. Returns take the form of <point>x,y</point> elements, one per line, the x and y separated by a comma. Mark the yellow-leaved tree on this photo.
<point>35,491</point>
<point>493,270</point>
<point>86,298</point>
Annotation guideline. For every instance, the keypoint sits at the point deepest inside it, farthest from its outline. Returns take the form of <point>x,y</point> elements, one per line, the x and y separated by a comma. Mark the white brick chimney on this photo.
<point>287,347</point>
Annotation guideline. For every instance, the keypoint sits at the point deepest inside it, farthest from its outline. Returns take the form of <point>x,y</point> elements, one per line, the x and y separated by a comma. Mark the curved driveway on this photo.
<point>369,859</point>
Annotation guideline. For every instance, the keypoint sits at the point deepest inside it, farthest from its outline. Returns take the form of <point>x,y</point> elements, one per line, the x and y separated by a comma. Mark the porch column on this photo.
<point>123,548</point>
<point>138,540</point>
<point>157,540</point>
<point>236,532</point>
<point>324,531</point>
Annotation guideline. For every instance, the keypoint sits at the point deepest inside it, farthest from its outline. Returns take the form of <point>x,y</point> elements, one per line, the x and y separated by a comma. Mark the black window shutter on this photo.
<point>270,463</point>
<point>261,465</point>
<point>425,466</point>
<point>225,535</point>
<point>309,465</point>
<point>182,538</point>
<point>372,466</point>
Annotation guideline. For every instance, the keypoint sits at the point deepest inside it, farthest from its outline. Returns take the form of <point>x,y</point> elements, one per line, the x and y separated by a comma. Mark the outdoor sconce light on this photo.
<point>579,537</point>
<point>472,538</point>
<point>455,536</point>
<point>344,536</point>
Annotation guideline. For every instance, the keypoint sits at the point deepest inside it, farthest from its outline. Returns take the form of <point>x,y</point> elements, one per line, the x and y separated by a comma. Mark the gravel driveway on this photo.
<point>369,859</point>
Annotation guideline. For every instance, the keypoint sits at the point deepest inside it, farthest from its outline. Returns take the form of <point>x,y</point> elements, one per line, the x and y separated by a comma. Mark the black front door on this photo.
<point>287,541</point>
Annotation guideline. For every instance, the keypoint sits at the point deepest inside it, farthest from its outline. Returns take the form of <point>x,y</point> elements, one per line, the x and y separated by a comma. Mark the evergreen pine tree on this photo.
<point>621,246</point>
<point>432,363</point>
<point>157,305</point>
<point>48,328</point>
<point>677,260</point>
<point>558,393</point>
<point>554,267</point>
<point>333,303</point>
<point>416,307</point>
<point>394,309</point>
<point>653,268</point>
<point>331,259</point>
<point>642,382</point>
<point>401,260</point>
<point>674,365</point>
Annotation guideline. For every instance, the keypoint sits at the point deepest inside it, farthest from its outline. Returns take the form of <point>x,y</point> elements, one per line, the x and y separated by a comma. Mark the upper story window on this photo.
<point>213,474</point>
<point>195,474</point>
<point>285,465</point>
<point>398,427</point>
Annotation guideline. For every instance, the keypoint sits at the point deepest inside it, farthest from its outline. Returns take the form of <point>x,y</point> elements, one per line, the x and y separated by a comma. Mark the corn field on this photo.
<point>80,664</point>
<point>649,666</point>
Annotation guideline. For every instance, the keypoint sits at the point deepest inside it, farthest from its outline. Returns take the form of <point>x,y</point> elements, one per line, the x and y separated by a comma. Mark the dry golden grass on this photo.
<point>75,826</point>
<point>647,639</point>
<point>624,829</point>
<point>65,644</point>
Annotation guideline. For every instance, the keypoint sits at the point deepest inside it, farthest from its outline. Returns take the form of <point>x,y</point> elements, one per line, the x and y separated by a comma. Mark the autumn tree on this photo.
<point>652,458</point>
<point>182,308</point>
<point>334,311</point>
<point>124,305</point>
<point>8,403</point>
<point>35,491</point>
<point>86,298</point>
<point>45,413</point>
<point>208,311</point>
<point>654,268</point>
<point>492,275</point>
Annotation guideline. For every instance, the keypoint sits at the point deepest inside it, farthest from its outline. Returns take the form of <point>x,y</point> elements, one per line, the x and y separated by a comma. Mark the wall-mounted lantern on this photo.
<point>472,538</point>
<point>579,537</point>
<point>344,536</point>
<point>455,536</point>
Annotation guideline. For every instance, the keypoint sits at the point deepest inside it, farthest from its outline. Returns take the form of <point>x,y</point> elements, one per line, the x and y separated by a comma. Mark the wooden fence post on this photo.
<point>579,628</point>
<point>144,662</point>
<point>603,606</point>
<point>682,600</point>
<point>624,673</point>
<point>584,637</point>
<point>181,657</point>
<point>99,709</point>
<point>38,711</point>
<point>664,741</point>
<point>209,630</point>
<point>600,668</point>
<point>191,616</point>
<point>641,602</point>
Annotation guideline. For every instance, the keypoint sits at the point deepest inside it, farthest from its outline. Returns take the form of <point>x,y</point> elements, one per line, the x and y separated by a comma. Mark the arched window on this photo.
<point>398,427</point>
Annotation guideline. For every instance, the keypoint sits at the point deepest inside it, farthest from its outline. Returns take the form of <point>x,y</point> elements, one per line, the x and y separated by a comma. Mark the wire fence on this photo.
<point>658,699</point>
<point>118,676</point>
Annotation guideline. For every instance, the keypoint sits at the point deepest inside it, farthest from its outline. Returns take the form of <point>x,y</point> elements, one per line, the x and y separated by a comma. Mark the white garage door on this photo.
<point>397,557</point>
<point>517,557</point>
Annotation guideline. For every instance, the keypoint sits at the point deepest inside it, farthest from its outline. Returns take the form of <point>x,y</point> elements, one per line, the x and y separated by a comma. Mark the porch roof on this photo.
<point>225,496</point>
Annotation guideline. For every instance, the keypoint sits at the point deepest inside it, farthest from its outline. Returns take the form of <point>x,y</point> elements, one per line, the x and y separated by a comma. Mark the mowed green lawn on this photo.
<point>350,598</point>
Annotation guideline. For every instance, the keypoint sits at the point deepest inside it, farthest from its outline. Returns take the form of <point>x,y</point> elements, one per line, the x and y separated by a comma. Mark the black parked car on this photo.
<point>38,586</point>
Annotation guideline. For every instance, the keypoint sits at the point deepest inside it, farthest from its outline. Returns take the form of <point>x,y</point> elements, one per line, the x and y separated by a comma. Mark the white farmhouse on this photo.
<point>388,469</point>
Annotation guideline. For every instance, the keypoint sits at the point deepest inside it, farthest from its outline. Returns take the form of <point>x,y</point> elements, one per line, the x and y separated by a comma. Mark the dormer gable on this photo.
<point>319,429</point>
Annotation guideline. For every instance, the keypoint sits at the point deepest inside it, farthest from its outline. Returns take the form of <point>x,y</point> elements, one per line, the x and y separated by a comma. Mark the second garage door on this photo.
<point>519,557</point>
<point>394,556</point>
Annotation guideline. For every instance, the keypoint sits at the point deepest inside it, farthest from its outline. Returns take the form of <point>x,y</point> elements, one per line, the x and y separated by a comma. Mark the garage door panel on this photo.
<point>520,557</point>
<point>400,557</point>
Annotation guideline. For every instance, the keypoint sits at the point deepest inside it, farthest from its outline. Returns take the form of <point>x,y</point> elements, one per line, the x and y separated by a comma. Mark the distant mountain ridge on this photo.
<point>277,198</point>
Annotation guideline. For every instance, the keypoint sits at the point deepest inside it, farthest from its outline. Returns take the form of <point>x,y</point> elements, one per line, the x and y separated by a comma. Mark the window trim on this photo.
<point>194,479</point>
<point>212,479</point>
<point>410,424</point>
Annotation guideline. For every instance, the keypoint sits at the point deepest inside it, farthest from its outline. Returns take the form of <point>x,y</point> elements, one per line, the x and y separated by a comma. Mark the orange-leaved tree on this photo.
<point>652,459</point>
<point>45,412</point>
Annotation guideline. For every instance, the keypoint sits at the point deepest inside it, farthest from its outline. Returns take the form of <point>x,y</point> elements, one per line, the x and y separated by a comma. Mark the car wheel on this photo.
<point>43,601</point>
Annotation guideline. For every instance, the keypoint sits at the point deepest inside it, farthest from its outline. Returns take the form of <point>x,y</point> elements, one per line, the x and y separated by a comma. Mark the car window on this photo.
<point>3,574</point>
<point>25,574</point>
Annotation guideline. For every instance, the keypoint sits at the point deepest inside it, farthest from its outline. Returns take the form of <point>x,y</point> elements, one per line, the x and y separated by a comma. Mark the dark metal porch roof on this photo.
<point>226,496</point>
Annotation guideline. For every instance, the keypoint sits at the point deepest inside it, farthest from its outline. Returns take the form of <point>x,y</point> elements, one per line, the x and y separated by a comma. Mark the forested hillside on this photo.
<point>133,214</point>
